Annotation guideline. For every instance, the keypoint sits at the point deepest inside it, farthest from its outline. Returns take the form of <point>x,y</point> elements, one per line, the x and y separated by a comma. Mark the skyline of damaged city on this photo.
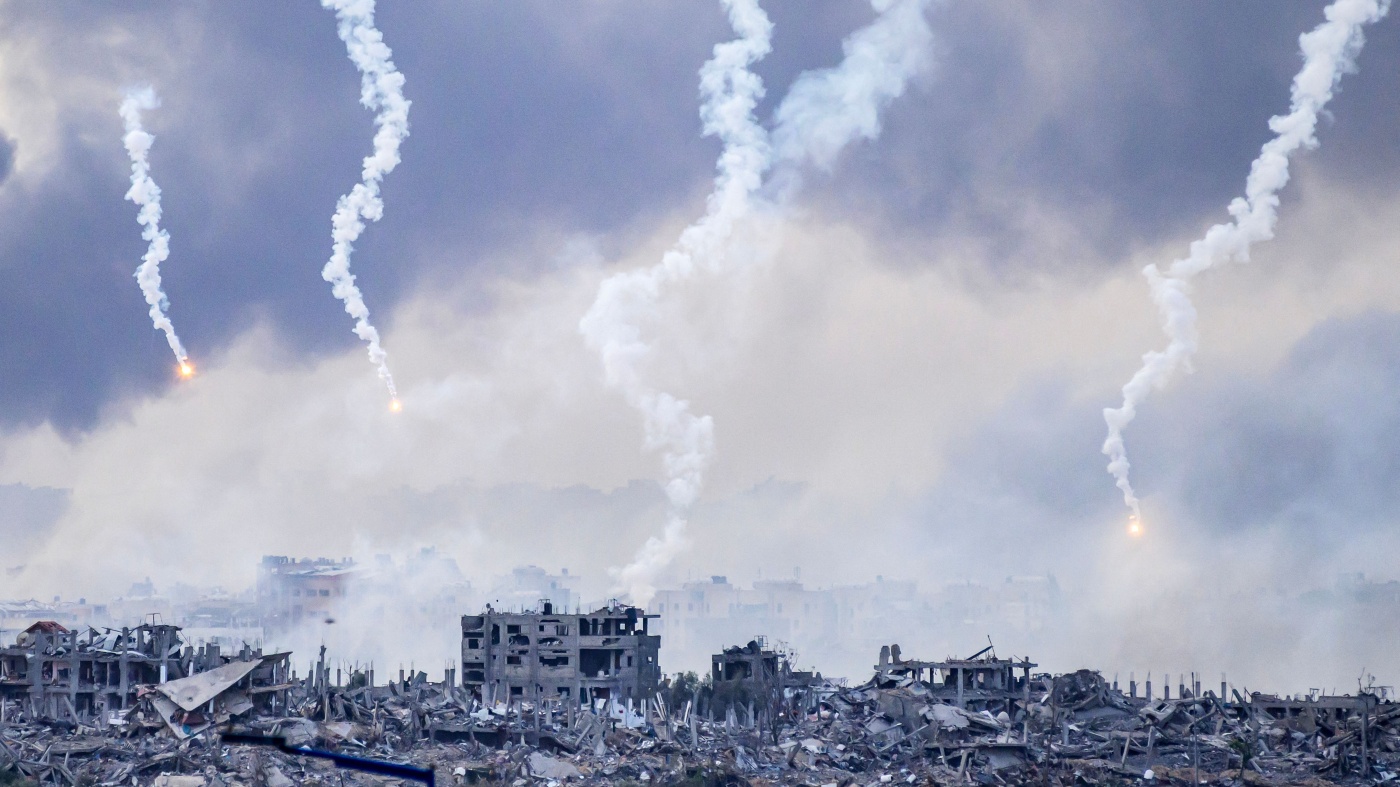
<point>404,610</point>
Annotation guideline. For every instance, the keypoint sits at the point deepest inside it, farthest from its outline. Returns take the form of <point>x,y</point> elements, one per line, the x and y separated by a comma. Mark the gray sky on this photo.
<point>916,377</point>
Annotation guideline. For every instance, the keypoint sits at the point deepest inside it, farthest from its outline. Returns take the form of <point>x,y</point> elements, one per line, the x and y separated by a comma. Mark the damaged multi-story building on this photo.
<point>757,665</point>
<point>550,655</point>
<point>753,676</point>
<point>52,672</point>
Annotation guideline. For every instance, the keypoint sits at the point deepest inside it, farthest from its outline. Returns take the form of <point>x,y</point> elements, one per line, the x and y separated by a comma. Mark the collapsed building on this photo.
<point>979,682</point>
<point>87,677</point>
<point>901,726</point>
<point>753,675</point>
<point>582,659</point>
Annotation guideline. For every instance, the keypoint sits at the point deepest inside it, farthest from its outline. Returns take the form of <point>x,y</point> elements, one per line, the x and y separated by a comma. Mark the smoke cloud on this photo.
<point>823,112</point>
<point>1329,51</point>
<point>826,109</point>
<point>381,90</point>
<point>146,194</point>
<point>612,326</point>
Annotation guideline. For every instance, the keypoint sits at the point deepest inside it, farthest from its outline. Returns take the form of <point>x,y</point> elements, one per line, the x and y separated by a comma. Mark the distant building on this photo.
<point>701,617</point>
<point>525,586</point>
<point>16,616</point>
<point>292,591</point>
<point>578,659</point>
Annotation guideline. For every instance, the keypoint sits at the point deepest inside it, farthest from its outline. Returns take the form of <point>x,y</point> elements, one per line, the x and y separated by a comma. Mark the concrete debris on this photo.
<point>980,720</point>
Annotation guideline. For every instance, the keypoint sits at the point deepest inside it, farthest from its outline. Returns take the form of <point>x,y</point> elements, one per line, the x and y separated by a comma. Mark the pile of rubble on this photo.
<point>970,721</point>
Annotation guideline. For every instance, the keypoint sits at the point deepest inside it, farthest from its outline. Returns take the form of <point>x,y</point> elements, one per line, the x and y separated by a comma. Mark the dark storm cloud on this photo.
<point>1316,445</point>
<point>1132,122</point>
<point>1309,450</point>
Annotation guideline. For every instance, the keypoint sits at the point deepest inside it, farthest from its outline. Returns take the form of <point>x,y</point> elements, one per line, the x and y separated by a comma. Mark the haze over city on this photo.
<point>820,307</point>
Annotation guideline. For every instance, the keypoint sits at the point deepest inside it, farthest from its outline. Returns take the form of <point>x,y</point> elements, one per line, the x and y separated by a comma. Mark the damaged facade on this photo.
<point>576,659</point>
<point>901,726</point>
<point>981,681</point>
<point>85,677</point>
<point>753,678</point>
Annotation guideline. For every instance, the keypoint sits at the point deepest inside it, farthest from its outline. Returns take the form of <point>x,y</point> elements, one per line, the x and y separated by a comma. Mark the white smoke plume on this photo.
<point>146,194</point>
<point>824,111</point>
<point>1329,51</point>
<point>612,327</point>
<point>381,90</point>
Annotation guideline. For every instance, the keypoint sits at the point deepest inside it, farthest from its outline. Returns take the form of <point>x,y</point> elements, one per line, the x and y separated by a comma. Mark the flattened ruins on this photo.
<point>549,698</point>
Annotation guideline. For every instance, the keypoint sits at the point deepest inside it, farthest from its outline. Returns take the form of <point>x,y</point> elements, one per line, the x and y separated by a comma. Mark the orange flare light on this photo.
<point>186,369</point>
<point>1134,526</point>
<point>395,405</point>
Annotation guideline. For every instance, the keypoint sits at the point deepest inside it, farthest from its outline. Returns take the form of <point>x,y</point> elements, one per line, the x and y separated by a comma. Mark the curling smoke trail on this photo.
<point>826,109</point>
<point>381,90</point>
<point>612,326</point>
<point>1329,51</point>
<point>146,194</point>
<point>823,111</point>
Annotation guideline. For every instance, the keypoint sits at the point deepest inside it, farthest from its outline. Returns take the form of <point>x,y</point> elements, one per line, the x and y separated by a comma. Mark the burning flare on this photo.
<point>1135,526</point>
<point>1329,51</point>
<point>146,194</point>
<point>186,370</point>
<point>395,405</point>
<point>381,89</point>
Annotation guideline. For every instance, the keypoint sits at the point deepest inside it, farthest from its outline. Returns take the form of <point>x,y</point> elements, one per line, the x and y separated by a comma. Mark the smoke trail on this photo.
<point>826,109</point>
<point>612,325</point>
<point>823,111</point>
<point>381,90</point>
<point>146,194</point>
<point>1329,51</point>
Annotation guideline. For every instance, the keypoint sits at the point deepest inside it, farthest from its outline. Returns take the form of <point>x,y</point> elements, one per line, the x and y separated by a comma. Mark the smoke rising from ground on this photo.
<point>146,194</point>
<point>1329,51</point>
<point>381,90</point>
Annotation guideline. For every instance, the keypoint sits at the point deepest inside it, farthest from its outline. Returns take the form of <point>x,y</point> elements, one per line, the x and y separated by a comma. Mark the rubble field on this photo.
<point>968,721</point>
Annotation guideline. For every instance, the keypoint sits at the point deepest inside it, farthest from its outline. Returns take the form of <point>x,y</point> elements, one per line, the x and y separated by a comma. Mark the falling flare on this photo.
<point>395,405</point>
<point>381,89</point>
<point>146,194</point>
<point>1135,526</point>
<point>186,370</point>
<point>1329,51</point>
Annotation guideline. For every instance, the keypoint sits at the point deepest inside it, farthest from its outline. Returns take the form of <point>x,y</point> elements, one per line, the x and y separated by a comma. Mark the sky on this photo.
<point>911,384</point>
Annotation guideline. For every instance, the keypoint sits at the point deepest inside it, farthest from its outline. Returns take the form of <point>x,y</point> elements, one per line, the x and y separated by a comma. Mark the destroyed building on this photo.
<point>976,682</point>
<point>900,727</point>
<point>751,662</point>
<point>52,672</point>
<point>574,659</point>
<point>753,678</point>
<point>756,665</point>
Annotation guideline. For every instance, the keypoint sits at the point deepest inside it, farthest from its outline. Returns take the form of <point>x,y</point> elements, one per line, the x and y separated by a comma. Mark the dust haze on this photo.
<point>910,386</point>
